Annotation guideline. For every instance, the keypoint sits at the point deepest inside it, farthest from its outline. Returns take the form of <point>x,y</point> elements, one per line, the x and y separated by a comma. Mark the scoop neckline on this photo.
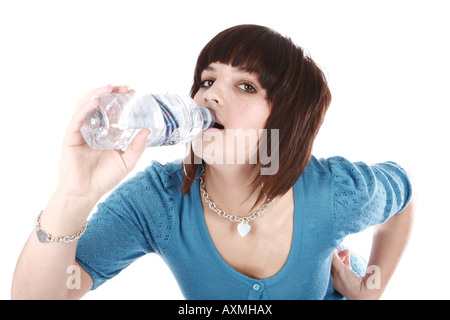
<point>296,245</point>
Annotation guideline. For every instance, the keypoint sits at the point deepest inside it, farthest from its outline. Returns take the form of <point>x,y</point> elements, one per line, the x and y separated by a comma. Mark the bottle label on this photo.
<point>172,125</point>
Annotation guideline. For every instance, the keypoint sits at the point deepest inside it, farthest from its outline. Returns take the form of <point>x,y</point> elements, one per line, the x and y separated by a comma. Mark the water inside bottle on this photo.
<point>171,118</point>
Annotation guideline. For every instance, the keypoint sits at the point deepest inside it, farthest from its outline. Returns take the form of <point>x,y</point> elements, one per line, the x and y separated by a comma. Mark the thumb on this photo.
<point>135,150</point>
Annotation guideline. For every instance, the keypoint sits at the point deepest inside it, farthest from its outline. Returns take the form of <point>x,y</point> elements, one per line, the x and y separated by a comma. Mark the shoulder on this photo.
<point>165,174</point>
<point>163,179</point>
<point>329,165</point>
<point>359,174</point>
<point>364,194</point>
<point>146,203</point>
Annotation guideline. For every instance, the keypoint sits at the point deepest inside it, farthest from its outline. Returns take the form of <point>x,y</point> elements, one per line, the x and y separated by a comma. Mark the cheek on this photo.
<point>248,116</point>
<point>198,98</point>
<point>265,115</point>
<point>256,115</point>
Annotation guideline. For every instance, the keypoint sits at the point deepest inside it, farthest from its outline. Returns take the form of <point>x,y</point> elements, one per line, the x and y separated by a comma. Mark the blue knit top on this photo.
<point>149,214</point>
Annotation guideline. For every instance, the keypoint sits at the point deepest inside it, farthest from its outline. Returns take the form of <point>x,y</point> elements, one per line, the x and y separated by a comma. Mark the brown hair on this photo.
<point>296,90</point>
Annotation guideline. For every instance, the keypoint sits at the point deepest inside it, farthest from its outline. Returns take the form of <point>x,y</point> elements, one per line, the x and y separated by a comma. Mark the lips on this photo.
<point>218,123</point>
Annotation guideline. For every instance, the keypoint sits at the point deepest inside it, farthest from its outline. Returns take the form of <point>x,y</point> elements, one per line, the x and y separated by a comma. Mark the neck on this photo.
<point>230,188</point>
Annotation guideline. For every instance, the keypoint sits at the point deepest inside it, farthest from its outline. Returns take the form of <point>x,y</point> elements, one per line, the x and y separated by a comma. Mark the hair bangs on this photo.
<point>252,49</point>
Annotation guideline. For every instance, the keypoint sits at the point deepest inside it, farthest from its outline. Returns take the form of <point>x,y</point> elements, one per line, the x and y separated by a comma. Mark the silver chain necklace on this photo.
<point>243,227</point>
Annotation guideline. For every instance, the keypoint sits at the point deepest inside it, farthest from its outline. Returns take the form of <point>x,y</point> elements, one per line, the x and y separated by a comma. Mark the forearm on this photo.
<point>41,271</point>
<point>389,242</point>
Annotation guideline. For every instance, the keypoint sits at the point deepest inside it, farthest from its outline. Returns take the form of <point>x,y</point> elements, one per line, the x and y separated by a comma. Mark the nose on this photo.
<point>213,96</point>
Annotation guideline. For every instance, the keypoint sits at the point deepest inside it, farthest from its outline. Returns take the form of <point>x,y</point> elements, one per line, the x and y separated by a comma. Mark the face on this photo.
<point>241,107</point>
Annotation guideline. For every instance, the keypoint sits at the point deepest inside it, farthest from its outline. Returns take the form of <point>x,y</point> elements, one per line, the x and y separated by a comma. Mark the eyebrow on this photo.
<point>253,75</point>
<point>239,69</point>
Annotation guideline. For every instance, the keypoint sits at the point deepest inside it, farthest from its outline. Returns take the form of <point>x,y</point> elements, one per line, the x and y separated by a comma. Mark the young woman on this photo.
<point>229,223</point>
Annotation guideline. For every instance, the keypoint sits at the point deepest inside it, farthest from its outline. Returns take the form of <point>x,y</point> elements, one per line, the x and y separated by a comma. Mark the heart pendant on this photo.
<point>243,228</point>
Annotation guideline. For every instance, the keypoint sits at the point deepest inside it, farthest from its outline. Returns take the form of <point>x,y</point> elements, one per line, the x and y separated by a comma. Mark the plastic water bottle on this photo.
<point>118,118</point>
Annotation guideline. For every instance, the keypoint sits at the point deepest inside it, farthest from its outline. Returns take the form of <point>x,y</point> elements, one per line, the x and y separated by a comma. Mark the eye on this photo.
<point>206,83</point>
<point>246,87</point>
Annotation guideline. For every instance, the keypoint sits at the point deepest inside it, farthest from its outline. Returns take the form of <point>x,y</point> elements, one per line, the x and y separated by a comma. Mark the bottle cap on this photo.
<point>208,118</point>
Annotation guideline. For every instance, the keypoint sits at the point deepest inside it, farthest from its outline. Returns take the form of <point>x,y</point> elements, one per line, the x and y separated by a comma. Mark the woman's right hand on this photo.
<point>87,173</point>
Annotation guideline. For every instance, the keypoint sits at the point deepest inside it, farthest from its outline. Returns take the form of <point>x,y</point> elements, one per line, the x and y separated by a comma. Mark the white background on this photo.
<point>387,66</point>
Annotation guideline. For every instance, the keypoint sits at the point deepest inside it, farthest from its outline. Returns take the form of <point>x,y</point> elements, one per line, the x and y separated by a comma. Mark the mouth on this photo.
<point>217,125</point>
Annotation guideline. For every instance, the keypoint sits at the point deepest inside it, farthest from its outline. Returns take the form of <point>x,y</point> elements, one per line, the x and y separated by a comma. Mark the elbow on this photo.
<point>18,290</point>
<point>15,295</point>
<point>22,291</point>
<point>30,295</point>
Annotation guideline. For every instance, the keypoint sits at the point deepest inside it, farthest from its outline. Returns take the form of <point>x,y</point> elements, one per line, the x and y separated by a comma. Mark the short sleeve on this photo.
<point>366,195</point>
<point>136,219</point>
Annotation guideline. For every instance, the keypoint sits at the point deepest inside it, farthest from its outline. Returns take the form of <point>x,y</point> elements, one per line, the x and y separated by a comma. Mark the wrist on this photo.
<point>45,237</point>
<point>73,204</point>
<point>65,214</point>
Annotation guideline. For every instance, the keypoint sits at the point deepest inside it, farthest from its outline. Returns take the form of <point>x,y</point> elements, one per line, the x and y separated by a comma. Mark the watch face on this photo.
<point>42,235</point>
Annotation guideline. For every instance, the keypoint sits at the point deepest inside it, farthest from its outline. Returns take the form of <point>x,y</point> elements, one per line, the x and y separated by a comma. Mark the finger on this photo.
<point>344,279</point>
<point>335,259</point>
<point>94,93</point>
<point>337,265</point>
<point>120,89</point>
<point>135,149</point>
<point>344,255</point>
<point>86,105</point>
<point>89,102</point>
